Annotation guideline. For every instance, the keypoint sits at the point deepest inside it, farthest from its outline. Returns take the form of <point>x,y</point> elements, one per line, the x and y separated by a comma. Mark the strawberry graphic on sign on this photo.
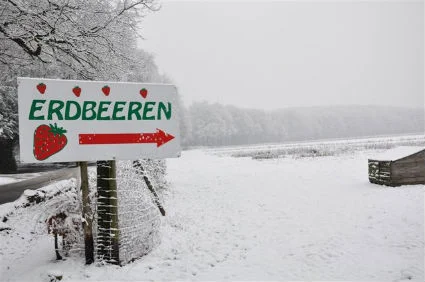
<point>77,91</point>
<point>48,140</point>
<point>144,92</point>
<point>106,89</point>
<point>41,87</point>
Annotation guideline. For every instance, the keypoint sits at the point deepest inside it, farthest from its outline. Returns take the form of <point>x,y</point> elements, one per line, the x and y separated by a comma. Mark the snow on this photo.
<point>10,178</point>
<point>6,180</point>
<point>4,226</point>
<point>326,147</point>
<point>397,153</point>
<point>242,219</point>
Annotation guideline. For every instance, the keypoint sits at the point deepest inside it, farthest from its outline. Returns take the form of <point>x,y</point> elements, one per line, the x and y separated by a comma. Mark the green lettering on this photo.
<point>103,107</point>
<point>134,108</point>
<point>118,107</point>
<point>89,106</point>
<point>163,109</point>
<point>77,112</point>
<point>148,108</point>
<point>35,108</point>
<point>55,107</point>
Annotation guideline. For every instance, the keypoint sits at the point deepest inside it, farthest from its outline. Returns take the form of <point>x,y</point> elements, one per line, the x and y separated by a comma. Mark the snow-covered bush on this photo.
<point>66,227</point>
<point>62,215</point>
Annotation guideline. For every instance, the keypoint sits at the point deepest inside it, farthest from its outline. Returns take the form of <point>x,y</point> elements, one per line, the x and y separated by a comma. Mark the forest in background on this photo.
<point>217,125</point>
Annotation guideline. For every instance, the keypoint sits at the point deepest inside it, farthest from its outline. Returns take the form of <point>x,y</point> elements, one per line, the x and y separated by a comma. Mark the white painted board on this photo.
<point>102,120</point>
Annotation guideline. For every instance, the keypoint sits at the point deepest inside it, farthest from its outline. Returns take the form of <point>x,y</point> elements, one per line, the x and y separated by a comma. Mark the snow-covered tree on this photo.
<point>89,37</point>
<point>8,129</point>
<point>73,39</point>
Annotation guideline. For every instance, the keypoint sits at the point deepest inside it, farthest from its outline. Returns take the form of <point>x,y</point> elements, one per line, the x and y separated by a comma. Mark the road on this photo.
<point>12,191</point>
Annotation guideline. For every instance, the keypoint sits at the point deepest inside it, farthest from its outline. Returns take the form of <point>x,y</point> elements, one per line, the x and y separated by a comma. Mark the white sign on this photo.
<point>70,120</point>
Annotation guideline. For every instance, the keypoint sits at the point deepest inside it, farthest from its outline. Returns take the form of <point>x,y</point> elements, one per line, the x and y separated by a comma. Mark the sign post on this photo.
<point>107,206</point>
<point>80,121</point>
<point>87,214</point>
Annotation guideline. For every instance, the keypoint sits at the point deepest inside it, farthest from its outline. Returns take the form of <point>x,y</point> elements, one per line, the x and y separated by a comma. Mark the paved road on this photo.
<point>10,192</point>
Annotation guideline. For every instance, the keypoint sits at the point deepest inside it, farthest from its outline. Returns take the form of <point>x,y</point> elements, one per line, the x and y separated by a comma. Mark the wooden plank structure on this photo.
<point>398,166</point>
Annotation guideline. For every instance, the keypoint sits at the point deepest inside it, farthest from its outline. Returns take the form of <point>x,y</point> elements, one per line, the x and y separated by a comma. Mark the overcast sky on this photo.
<point>282,54</point>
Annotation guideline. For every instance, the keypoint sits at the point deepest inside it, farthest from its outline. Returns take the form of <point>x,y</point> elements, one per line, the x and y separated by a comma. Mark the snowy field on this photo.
<point>243,219</point>
<point>320,147</point>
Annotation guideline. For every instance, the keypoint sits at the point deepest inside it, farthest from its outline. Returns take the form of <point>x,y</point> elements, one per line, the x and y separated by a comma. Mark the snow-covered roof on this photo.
<point>397,153</point>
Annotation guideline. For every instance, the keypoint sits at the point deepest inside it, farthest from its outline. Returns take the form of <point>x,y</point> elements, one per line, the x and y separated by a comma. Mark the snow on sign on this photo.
<point>70,120</point>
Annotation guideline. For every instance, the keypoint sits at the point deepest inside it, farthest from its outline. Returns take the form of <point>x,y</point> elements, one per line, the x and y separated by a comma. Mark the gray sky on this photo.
<point>282,54</point>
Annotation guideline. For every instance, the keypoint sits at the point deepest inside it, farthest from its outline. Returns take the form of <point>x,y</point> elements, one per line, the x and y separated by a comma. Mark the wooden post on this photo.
<point>87,214</point>
<point>141,170</point>
<point>108,232</point>
<point>155,195</point>
<point>58,256</point>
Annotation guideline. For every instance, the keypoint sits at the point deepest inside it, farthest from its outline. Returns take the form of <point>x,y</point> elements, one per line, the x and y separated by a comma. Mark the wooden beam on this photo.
<point>107,202</point>
<point>87,214</point>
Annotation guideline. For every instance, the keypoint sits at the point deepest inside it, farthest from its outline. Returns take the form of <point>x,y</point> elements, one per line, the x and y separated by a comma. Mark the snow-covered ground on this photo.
<point>320,147</point>
<point>10,178</point>
<point>6,180</point>
<point>243,219</point>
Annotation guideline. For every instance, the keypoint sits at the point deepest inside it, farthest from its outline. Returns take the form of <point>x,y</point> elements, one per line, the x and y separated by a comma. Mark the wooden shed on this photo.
<point>399,166</point>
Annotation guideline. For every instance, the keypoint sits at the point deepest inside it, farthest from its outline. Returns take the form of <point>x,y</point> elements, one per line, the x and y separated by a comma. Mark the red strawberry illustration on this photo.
<point>48,140</point>
<point>106,89</point>
<point>144,92</point>
<point>41,87</point>
<point>77,91</point>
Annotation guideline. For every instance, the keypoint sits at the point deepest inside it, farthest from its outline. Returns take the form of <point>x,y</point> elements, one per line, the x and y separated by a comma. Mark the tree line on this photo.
<point>213,124</point>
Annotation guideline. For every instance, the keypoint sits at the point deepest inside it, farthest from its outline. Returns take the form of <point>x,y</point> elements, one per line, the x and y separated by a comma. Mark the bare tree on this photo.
<point>88,37</point>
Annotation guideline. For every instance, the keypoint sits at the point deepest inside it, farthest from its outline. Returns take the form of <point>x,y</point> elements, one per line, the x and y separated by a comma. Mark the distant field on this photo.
<point>319,148</point>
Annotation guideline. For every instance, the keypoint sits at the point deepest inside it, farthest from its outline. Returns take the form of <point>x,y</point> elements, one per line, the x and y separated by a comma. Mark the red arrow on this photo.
<point>159,137</point>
